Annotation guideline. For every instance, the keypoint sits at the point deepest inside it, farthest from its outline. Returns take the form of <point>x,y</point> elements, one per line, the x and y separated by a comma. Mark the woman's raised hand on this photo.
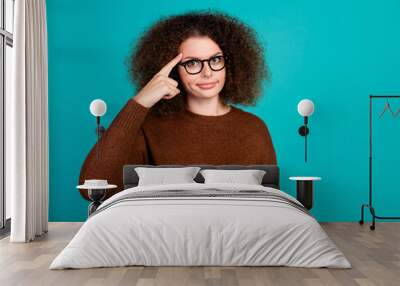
<point>160,86</point>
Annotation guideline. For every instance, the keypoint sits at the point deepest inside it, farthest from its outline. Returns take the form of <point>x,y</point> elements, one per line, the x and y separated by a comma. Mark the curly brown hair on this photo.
<point>245,69</point>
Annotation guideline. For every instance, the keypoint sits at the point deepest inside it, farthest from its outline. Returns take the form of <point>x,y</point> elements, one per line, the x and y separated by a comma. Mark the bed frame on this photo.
<point>270,179</point>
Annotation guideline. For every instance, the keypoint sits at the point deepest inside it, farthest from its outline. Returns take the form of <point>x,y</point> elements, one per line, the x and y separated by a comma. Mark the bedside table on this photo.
<point>305,190</point>
<point>97,190</point>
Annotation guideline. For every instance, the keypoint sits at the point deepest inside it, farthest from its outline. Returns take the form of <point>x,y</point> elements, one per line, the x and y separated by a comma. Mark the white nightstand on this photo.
<point>305,190</point>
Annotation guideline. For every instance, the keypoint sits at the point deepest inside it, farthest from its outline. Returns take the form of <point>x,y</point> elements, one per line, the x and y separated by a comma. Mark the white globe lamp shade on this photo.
<point>98,107</point>
<point>305,107</point>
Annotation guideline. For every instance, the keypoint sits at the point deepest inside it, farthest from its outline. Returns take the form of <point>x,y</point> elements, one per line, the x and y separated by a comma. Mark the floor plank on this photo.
<point>374,255</point>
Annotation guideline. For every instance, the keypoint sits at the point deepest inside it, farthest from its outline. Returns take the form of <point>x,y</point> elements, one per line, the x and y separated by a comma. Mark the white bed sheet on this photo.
<point>200,231</point>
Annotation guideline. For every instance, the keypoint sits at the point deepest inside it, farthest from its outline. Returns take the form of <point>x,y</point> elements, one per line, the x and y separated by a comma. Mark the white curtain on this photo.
<point>27,124</point>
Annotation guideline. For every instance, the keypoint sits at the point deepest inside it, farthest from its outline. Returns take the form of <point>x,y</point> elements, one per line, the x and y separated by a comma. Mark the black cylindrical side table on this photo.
<point>305,192</point>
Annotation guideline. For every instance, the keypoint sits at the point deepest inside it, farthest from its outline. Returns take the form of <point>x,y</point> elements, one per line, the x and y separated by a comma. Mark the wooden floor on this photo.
<point>374,255</point>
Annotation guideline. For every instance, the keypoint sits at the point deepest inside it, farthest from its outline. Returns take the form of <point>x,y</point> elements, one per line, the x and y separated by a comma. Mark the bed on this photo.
<point>201,224</point>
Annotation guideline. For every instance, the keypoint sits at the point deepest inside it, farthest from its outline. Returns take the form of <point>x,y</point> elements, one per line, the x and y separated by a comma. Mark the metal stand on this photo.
<point>369,205</point>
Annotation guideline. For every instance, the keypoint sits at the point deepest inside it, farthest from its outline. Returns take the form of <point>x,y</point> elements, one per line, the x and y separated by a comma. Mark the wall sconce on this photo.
<point>98,108</point>
<point>305,109</point>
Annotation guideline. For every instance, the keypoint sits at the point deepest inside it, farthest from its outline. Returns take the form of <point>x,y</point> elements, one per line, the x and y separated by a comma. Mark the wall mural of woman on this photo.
<point>190,70</point>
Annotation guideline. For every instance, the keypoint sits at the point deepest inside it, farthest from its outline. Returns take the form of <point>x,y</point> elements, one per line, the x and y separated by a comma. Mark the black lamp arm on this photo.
<point>99,129</point>
<point>304,131</point>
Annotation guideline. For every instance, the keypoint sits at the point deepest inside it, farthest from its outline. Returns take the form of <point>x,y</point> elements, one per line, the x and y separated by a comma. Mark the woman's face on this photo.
<point>208,83</point>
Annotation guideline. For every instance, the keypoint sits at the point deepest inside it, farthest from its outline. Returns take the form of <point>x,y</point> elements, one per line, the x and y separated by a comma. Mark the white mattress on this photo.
<point>200,231</point>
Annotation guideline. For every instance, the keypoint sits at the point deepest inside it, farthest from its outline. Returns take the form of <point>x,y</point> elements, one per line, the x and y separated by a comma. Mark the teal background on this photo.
<point>334,53</point>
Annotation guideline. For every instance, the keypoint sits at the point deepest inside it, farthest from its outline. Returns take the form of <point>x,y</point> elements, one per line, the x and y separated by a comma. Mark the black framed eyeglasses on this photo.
<point>195,66</point>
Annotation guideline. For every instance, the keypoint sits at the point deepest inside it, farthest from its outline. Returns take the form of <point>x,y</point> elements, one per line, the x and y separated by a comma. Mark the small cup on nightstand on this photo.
<point>97,190</point>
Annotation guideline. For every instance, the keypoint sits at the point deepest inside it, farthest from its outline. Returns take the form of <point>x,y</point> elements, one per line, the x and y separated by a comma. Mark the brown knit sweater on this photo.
<point>138,136</point>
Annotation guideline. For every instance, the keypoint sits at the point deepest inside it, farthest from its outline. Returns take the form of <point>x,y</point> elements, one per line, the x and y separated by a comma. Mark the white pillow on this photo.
<point>249,177</point>
<point>162,176</point>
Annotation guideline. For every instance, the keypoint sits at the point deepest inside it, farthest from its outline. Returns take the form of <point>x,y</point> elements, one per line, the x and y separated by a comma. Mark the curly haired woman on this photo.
<point>189,69</point>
